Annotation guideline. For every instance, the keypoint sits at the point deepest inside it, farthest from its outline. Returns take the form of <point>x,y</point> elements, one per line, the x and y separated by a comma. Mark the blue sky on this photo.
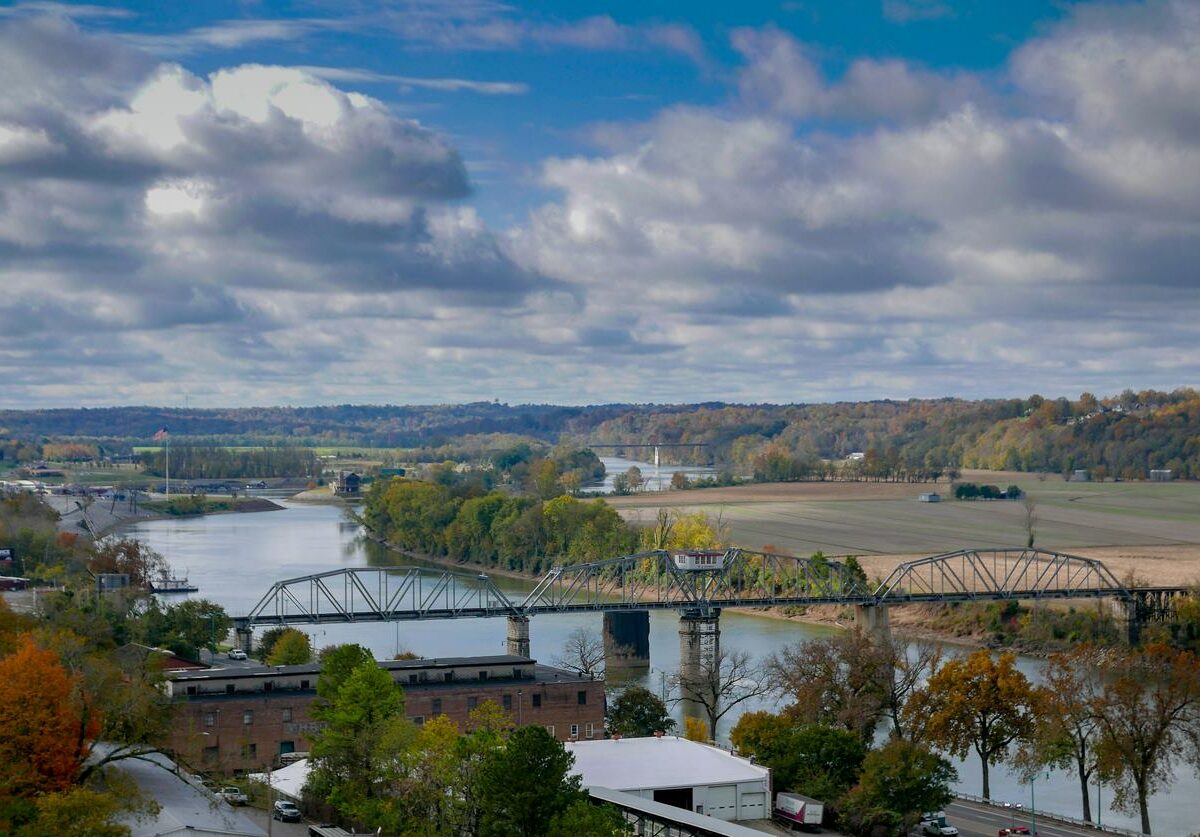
<point>415,201</point>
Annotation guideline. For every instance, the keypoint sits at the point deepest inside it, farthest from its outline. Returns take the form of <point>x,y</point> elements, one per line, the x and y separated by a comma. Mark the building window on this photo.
<point>448,676</point>
<point>303,684</point>
<point>268,685</point>
<point>435,706</point>
<point>210,718</point>
<point>250,751</point>
<point>550,729</point>
<point>472,703</point>
<point>248,717</point>
<point>211,754</point>
<point>589,729</point>
<point>581,698</point>
<point>287,714</point>
<point>229,688</point>
<point>537,700</point>
<point>483,675</point>
<point>574,730</point>
<point>286,747</point>
<point>516,674</point>
<point>412,678</point>
<point>507,700</point>
<point>191,690</point>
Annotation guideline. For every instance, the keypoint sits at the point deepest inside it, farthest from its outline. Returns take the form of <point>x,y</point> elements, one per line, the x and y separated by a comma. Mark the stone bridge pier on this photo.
<point>518,636</point>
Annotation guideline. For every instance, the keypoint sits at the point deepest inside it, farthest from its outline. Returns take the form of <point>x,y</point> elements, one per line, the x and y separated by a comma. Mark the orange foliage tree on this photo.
<point>46,738</point>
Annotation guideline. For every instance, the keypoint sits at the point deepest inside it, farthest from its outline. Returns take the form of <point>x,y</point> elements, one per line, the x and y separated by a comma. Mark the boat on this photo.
<point>172,584</point>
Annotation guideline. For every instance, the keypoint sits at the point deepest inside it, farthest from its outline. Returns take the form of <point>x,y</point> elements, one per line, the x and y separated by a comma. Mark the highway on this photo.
<point>984,821</point>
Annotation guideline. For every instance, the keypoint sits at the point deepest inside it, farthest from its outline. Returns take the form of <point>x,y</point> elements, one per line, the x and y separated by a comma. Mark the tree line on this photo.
<point>194,462</point>
<point>1128,717</point>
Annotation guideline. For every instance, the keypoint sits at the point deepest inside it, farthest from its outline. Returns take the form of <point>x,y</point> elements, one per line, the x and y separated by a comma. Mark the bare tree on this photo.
<point>912,661</point>
<point>1030,519</point>
<point>841,681</point>
<point>720,682</point>
<point>583,651</point>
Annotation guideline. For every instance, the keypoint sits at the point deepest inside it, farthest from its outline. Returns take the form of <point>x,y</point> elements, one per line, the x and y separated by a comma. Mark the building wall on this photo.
<point>249,730</point>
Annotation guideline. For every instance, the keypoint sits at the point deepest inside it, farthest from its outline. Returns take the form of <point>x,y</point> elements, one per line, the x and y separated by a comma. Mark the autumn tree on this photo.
<point>842,681</point>
<point>46,738</point>
<point>1148,718</point>
<point>978,702</point>
<point>637,712</point>
<point>1066,722</point>
<point>127,556</point>
<point>721,681</point>
<point>292,648</point>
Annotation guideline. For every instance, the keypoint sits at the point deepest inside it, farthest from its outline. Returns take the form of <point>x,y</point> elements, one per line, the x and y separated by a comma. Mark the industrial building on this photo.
<point>674,771</point>
<point>246,718</point>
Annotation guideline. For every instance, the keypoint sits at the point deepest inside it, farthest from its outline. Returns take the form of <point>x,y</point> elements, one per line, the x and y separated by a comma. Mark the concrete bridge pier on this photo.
<point>244,638</point>
<point>699,648</point>
<point>518,636</point>
<point>626,639</point>
<point>874,620</point>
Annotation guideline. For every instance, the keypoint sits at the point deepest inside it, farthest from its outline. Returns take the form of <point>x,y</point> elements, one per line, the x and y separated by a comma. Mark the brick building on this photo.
<point>246,718</point>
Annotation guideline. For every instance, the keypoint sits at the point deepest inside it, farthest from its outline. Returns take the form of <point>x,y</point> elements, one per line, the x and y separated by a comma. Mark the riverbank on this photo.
<point>100,519</point>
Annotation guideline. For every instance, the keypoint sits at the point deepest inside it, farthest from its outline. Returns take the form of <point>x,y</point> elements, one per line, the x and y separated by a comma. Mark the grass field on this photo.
<point>1151,528</point>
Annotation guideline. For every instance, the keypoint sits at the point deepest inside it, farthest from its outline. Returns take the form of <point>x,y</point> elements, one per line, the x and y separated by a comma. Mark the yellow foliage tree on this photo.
<point>695,729</point>
<point>679,530</point>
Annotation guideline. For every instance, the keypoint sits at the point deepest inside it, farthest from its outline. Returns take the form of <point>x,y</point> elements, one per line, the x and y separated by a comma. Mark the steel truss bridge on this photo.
<point>651,580</point>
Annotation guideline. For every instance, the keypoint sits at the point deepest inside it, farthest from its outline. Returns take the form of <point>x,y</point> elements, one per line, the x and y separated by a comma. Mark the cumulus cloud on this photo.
<point>955,240</point>
<point>138,198</point>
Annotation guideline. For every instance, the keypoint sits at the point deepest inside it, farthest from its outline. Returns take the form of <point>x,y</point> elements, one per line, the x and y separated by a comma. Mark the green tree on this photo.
<point>266,643</point>
<point>291,649</point>
<point>526,784</point>
<point>338,662</point>
<point>906,779</point>
<point>816,759</point>
<point>637,712</point>
<point>978,702</point>
<point>350,768</point>
<point>584,819</point>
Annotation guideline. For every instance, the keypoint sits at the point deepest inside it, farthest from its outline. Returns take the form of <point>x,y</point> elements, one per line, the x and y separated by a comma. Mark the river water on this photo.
<point>657,479</point>
<point>235,558</point>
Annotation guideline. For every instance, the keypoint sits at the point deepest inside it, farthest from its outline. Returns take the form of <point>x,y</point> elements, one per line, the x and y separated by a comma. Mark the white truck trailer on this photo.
<point>795,809</point>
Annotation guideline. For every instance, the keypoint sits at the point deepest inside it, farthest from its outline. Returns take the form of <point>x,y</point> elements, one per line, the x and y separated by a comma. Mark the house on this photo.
<point>1161,475</point>
<point>348,482</point>
<point>930,497</point>
<point>247,718</point>
<point>675,771</point>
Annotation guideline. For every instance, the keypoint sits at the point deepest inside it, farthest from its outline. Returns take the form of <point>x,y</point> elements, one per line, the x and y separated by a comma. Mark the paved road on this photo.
<point>984,821</point>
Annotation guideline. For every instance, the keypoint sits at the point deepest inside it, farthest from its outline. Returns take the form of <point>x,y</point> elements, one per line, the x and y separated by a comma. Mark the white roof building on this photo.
<point>674,771</point>
<point>187,807</point>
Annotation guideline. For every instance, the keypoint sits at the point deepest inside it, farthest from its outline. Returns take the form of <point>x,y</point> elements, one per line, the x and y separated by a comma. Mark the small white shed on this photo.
<point>671,770</point>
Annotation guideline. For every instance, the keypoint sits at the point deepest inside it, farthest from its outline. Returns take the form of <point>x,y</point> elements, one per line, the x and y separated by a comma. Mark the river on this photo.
<point>235,558</point>
<point>657,479</point>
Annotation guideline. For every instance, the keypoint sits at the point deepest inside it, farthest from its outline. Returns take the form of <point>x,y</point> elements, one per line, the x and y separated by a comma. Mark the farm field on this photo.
<point>1152,528</point>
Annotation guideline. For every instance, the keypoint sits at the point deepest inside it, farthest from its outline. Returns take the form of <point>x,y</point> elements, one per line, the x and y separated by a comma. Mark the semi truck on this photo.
<point>797,810</point>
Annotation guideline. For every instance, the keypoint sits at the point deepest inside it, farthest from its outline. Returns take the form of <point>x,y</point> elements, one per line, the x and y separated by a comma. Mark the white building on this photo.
<point>686,774</point>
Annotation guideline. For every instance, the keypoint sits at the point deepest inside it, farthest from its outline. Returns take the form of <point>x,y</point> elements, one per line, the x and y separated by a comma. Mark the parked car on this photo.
<point>236,654</point>
<point>233,796</point>
<point>285,811</point>
<point>1016,830</point>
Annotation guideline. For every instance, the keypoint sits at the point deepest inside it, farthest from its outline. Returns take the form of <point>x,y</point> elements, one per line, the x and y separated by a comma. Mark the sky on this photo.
<point>244,202</point>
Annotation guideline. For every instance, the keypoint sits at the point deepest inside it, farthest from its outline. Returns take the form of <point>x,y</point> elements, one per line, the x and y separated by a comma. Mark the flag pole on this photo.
<point>167,442</point>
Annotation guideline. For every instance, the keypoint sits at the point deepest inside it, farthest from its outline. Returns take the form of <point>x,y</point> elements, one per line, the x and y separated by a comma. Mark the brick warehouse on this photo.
<point>246,718</point>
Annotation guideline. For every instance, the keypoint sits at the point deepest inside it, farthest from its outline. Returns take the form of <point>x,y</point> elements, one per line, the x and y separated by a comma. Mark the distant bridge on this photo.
<point>652,580</point>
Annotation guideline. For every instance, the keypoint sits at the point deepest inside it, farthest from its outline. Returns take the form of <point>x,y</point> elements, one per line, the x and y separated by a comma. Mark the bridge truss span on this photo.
<point>379,594</point>
<point>653,579</point>
<point>996,574</point>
